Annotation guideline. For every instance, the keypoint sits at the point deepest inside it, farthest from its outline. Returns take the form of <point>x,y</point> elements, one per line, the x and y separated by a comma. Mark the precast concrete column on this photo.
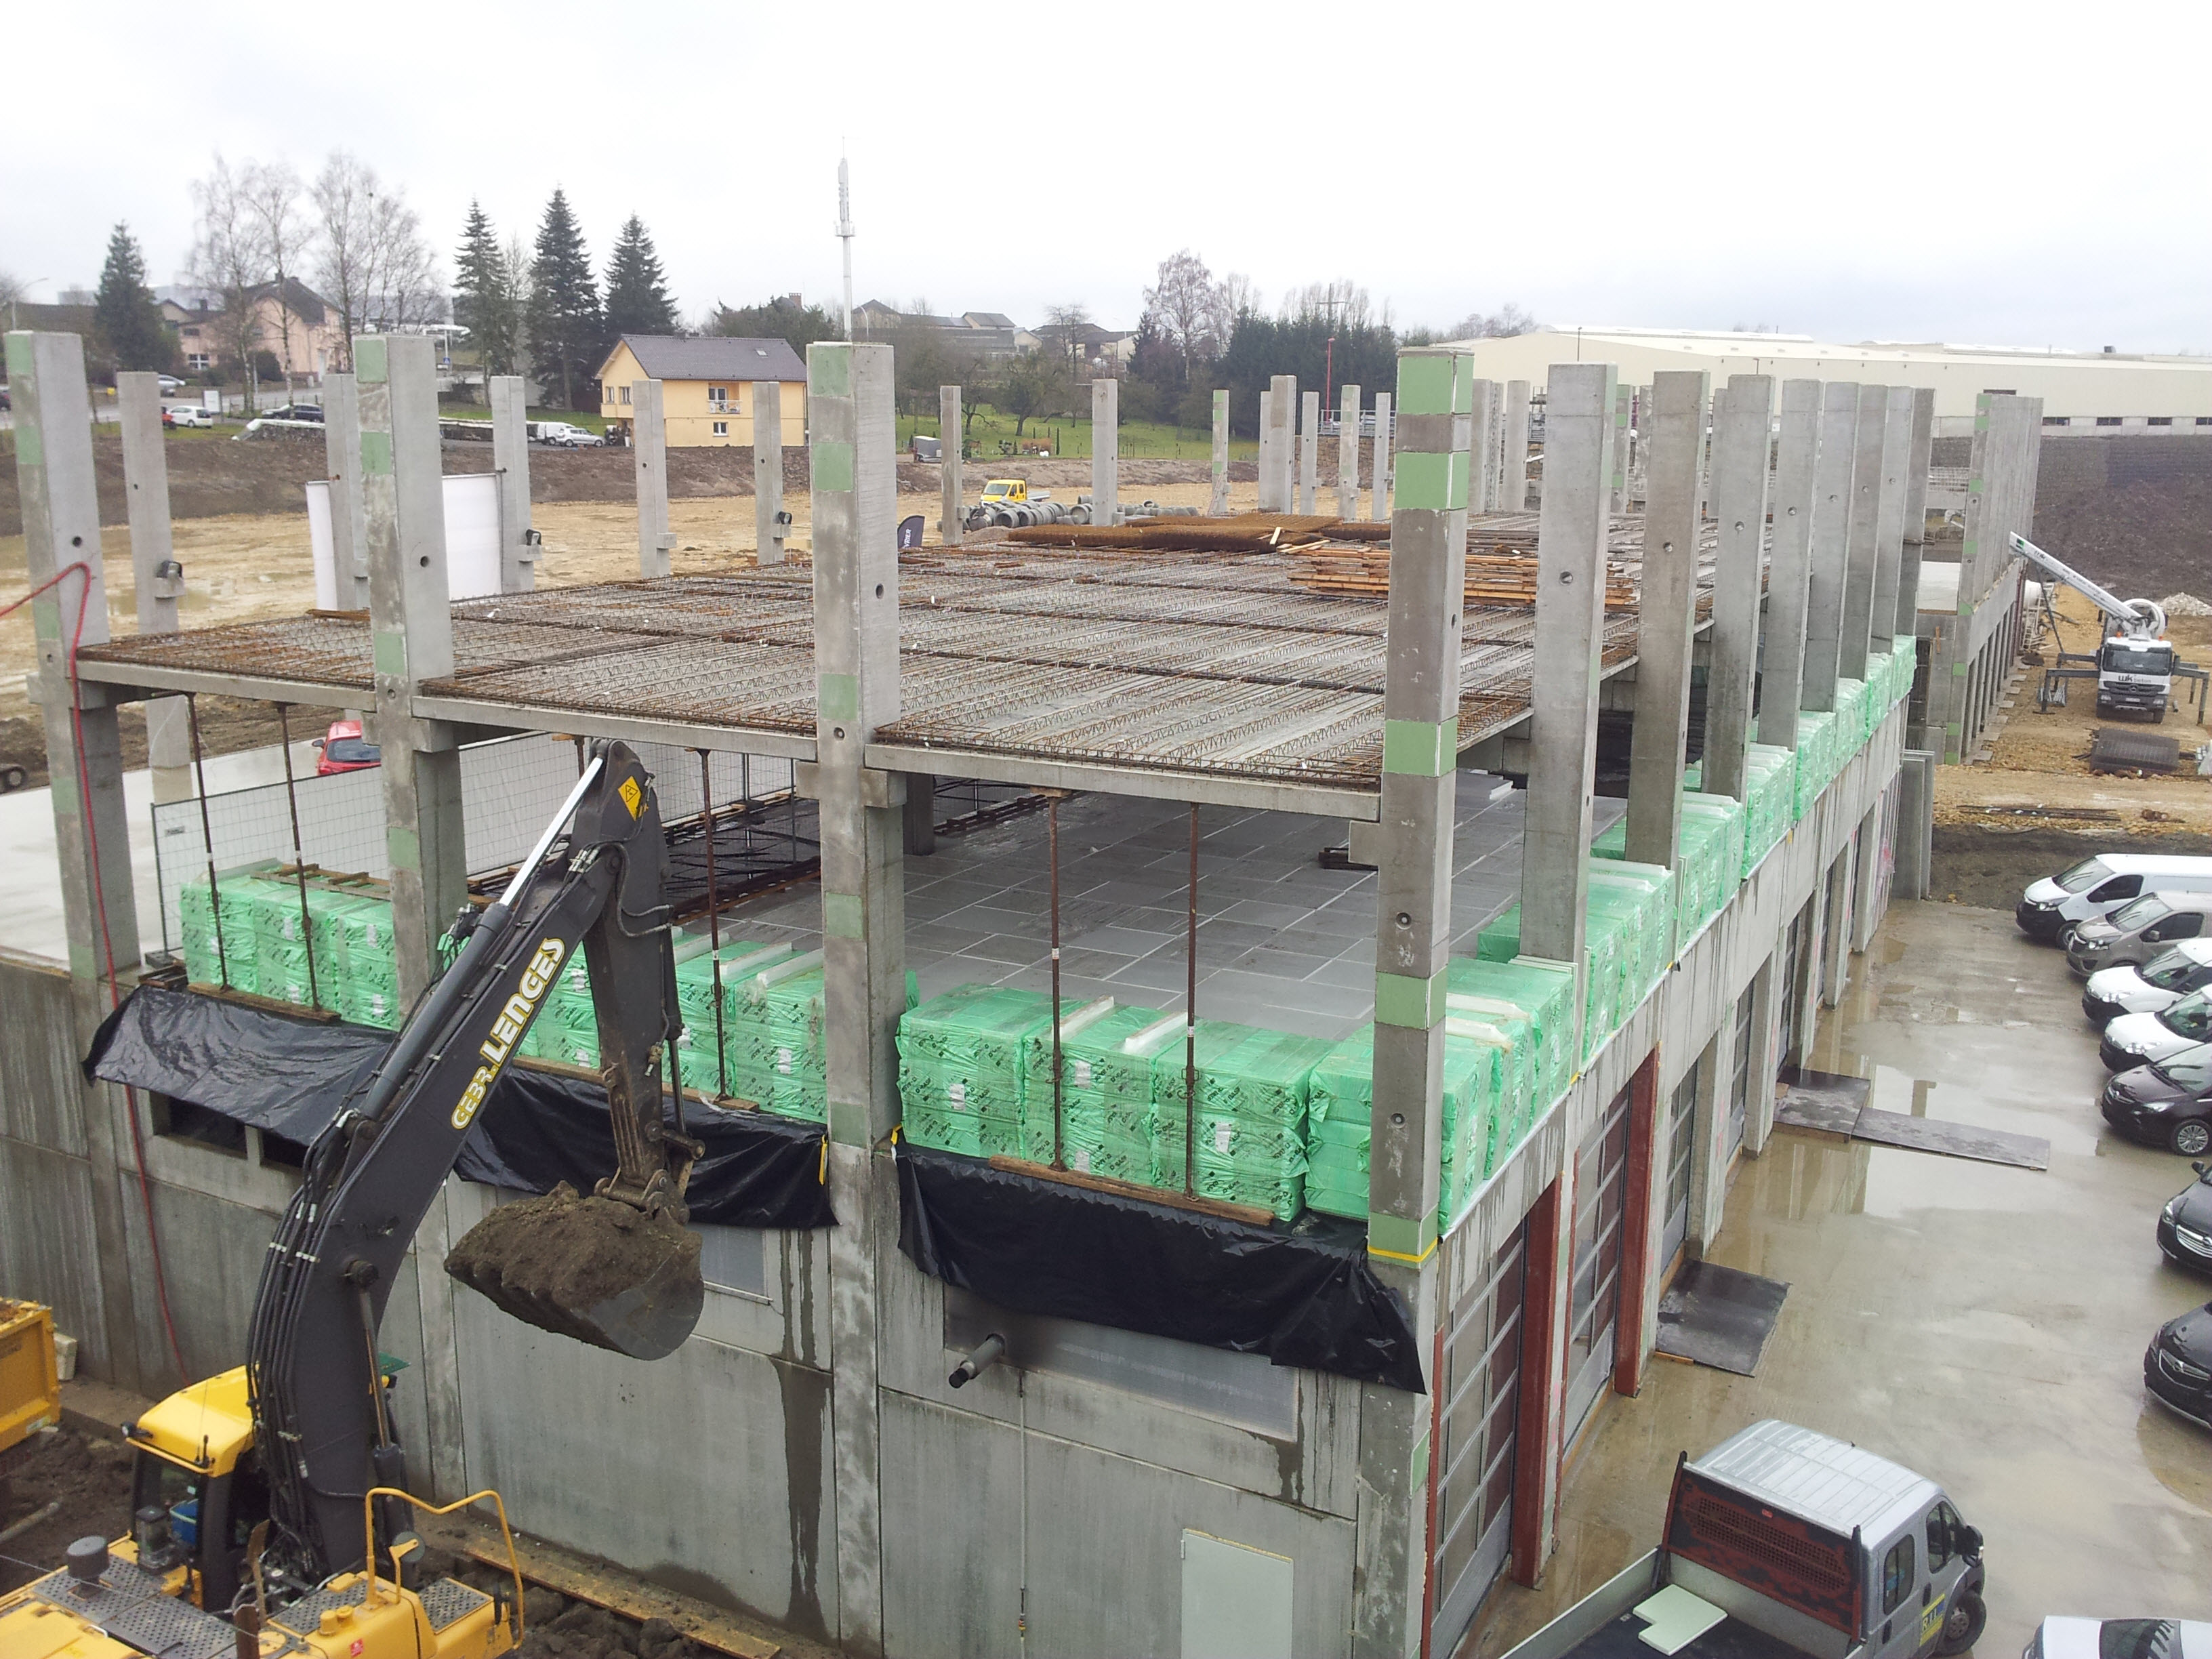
<point>1830,542</point>
<point>1309,451</point>
<point>1667,608</point>
<point>1515,458</point>
<point>1378,491</point>
<point>771,524</point>
<point>1105,450</point>
<point>1216,503</point>
<point>1494,500</point>
<point>411,635</point>
<point>1279,418</point>
<point>1765,1040</point>
<point>949,445</point>
<point>1413,950</point>
<point>510,459</point>
<point>855,493</point>
<point>1571,547</point>
<point>1950,666</point>
<point>1857,627</point>
<point>1916,824</point>
<point>1347,452</point>
<point>1889,516</point>
<point>1789,564</point>
<point>342,461</point>
<point>157,580</point>
<point>1836,930</point>
<point>1482,454</point>
<point>1741,445</point>
<point>54,481</point>
<point>1622,402</point>
<point>1916,512</point>
<point>648,428</point>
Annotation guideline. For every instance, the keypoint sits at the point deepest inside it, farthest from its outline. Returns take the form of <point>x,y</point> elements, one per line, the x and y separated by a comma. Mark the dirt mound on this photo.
<point>1989,868</point>
<point>88,1476</point>
<point>591,1268</point>
<point>2133,512</point>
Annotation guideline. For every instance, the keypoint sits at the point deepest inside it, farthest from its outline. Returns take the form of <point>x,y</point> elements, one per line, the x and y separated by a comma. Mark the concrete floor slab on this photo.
<point>1983,1324</point>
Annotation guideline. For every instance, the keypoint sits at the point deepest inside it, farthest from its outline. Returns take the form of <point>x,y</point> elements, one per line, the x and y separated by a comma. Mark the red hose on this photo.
<point>82,570</point>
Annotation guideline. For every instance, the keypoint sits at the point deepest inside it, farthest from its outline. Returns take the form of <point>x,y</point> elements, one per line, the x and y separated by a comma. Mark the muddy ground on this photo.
<point>1987,867</point>
<point>89,1475</point>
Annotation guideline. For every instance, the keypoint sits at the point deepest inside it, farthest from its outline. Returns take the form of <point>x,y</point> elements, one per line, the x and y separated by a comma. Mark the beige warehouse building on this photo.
<point>2080,390</point>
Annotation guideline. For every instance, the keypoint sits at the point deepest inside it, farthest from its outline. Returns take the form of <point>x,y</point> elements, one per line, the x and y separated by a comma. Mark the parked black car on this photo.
<point>2178,1365</point>
<point>2185,1226</point>
<point>2168,1105</point>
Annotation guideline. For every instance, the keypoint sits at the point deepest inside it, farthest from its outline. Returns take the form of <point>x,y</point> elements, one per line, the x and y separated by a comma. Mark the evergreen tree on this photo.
<point>567,331</point>
<point>637,287</point>
<point>483,292</point>
<point>125,315</point>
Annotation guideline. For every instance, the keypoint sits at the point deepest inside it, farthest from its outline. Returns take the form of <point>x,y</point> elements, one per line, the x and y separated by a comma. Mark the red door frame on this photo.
<point>1636,1227</point>
<point>1540,1404</point>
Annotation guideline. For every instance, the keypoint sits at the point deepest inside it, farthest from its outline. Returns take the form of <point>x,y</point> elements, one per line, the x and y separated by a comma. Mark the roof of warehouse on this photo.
<point>1735,342</point>
<point>711,357</point>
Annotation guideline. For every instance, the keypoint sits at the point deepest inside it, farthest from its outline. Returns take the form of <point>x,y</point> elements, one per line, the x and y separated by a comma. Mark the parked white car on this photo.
<point>189,414</point>
<point>2120,1638</point>
<point>2133,1040</point>
<point>2159,983</point>
<point>562,435</point>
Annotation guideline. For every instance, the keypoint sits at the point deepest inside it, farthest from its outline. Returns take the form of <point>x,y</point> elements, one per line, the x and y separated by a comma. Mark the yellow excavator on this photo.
<point>271,1508</point>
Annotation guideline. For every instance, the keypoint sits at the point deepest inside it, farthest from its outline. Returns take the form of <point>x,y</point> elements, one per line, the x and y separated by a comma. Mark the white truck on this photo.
<point>2135,660</point>
<point>1785,1543</point>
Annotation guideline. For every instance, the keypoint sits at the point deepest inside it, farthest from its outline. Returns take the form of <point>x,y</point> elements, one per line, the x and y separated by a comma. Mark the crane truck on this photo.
<point>271,1511</point>
<point>2135,659</point>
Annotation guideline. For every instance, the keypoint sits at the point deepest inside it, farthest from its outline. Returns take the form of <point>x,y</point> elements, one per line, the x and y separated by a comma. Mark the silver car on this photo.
<point>2137,930</point>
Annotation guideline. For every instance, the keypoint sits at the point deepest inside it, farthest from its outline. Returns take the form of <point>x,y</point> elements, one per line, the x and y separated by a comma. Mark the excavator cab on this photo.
<point>196,1488</point>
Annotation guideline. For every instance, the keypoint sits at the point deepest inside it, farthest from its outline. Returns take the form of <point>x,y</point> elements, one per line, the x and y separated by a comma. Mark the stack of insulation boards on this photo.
<point>976,1076</point>
<point>1770,805</point>
<point>1818,758</point>
<point>1343,1107</point>
<point>1709,861</point>
<point>1628,942</point>
<point>267,946</point>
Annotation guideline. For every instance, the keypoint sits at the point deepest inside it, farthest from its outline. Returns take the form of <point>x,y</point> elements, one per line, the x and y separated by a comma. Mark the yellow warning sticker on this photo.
<point>633,797</point>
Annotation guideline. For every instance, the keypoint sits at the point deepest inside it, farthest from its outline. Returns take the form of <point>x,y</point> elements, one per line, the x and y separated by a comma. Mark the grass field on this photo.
<point>584,418</point>
<point>991,434</point>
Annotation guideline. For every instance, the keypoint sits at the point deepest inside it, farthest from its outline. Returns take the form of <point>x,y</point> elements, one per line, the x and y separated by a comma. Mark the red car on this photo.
<point>344,750</point>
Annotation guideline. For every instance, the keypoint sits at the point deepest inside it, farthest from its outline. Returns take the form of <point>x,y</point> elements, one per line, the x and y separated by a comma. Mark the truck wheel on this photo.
<point>1962,1623</point>
<point>2190,1137</point>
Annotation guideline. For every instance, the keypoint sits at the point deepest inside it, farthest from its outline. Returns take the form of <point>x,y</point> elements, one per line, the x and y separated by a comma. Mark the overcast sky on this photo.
<point>2018,173</point>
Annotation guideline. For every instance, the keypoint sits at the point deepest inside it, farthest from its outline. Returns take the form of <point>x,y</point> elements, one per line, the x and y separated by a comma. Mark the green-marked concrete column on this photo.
<point>411,631</point>
<point>1667,611</point>
<point>1856,630</point>
<point>60,528</point>
<point>1742,444</point>
<point>1889,512</point>
<point>1789,571</point>
<point>1916,512</point>
<point>1217,504</point>
<point>403,539</point>
<point>854,490</point>
<point>1571,532</point>
<point>1420,755</point>
<point>1830,549</point>
<point>1378,484</point>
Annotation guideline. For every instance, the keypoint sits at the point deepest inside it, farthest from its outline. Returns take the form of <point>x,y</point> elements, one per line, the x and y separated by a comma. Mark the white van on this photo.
<point>2159,983</point>
<point>2098,886</point>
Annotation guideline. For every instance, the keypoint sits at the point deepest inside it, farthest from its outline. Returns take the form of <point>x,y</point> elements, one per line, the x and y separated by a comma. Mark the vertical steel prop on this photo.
<point>1190,1029</point>
<point>1052,829</point>
<point>207,839</point>
<point>299,859</point>
<point>714,926</point>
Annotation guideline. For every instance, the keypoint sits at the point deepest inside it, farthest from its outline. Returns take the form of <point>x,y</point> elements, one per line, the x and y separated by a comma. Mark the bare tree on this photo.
<point>270,192</point>
<point>1239,294</point>
<point>1508,321</point>
<point>1062,332</point>
<point>404,291</point>
<point>372,260</point>
<point>520,288</point>
<point>1190,310</point>
<point>230,259</point>
<point>1343,303</point>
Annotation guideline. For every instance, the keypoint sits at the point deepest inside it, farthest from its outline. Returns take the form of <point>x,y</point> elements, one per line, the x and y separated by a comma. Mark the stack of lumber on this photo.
<point>1246,532</point>
<point>1494,579</point>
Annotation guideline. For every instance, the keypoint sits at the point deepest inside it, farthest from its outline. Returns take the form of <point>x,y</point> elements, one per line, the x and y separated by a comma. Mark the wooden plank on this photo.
<point>582,1578</point>
<point>1220,1208</point>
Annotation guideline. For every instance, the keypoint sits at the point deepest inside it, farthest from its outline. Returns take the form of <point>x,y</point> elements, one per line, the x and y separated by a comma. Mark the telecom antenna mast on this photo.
<point>844,235</point>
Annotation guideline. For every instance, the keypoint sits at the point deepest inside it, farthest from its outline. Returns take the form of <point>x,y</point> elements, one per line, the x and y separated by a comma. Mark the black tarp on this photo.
<point>290,1076</point>
<point>1038,1247</point>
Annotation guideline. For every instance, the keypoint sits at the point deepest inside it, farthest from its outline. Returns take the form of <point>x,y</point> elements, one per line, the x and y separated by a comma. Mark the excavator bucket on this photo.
<point>596,1269</point>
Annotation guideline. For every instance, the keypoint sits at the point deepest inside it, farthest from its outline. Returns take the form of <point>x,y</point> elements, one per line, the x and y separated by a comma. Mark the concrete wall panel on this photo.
<point>39,1093</point>
<point>46,1243</point>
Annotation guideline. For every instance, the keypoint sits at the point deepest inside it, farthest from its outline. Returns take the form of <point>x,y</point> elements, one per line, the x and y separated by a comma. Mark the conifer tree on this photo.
<point>125,317</point>
<point>567,329</point>
<point>483,294</point>
<point>637,287</point>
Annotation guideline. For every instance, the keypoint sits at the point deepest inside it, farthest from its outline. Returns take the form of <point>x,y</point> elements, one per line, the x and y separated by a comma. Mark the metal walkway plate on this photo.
<point>1717,1316</point>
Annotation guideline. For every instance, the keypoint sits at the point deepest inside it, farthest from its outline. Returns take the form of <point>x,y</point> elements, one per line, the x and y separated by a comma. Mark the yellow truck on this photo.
<point>1006,492</point>
<point>30,1386</point>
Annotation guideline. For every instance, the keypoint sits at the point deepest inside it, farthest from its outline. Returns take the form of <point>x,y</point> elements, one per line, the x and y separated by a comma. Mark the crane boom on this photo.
<point>2137,618</point>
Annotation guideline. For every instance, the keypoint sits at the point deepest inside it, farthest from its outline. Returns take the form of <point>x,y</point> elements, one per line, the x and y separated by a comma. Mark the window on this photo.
<point>1942,1536</point>
<point>196,361</point>
<point>2204,420</point>
<point>1897,1576</point>
<point>2119,887</point>
<point>2141,913</point>
<point>2162,420</point>
<point>625,394</point>
<point>2187,925</point>
<point>2138,1638</point>
<point>2054,419</point>
<point>2108,420</point>
<point>2083,876</point>
<point>718,395</point>
<point>721,429</point>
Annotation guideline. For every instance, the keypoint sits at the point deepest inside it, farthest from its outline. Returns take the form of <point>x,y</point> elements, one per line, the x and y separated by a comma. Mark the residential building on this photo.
<point>988,336</point>
<point>706,385</point>
<point>291,322</point>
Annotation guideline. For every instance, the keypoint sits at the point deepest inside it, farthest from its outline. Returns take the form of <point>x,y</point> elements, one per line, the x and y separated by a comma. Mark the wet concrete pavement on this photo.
<point>1981,1324</point>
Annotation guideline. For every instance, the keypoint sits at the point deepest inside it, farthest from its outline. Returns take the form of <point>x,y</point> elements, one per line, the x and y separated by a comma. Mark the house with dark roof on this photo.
<point>292,323</point>
<point>707,385</point>
<point>987,335</point>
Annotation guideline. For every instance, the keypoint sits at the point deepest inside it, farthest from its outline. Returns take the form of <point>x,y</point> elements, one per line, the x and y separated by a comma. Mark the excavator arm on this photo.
<point>318,1392</point>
